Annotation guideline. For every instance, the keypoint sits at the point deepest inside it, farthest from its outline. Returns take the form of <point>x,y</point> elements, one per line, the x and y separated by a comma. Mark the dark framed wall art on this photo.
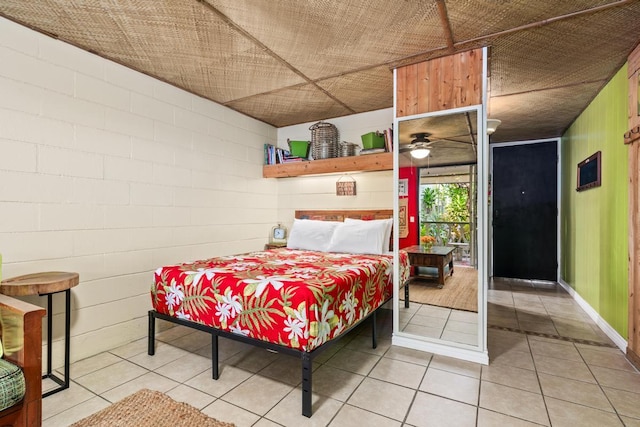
<point>589,175</point>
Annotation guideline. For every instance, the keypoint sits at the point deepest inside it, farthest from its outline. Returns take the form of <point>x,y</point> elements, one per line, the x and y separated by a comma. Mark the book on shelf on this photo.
<point>270,154</point>
<point>373,150</point>
<point>274,155</point>
<point>388,139</point>
<point>290,159</point>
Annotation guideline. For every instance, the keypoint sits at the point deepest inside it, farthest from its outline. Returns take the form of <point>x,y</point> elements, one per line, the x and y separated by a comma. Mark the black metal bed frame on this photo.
<point>305,357</point>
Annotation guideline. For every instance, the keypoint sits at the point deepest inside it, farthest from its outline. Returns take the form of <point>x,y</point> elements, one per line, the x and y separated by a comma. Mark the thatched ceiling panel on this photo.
<point>325,37</point>
<point>291,106</point>
<point>363,91</point>
<point>519,122</point>
<point>536,59</point>
<point>180,42</point>
<point>474,18</point>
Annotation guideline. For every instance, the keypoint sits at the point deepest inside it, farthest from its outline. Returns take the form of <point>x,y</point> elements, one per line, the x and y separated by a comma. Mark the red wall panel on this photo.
<point>411,174</point>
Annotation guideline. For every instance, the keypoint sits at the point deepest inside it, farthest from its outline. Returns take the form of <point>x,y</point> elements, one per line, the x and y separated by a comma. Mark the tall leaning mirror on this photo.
<point>439,166</point>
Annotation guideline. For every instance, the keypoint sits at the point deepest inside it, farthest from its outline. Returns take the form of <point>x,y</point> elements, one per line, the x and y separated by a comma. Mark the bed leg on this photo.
<point>306,385</point>
<point>151,350</point>
<point>374,330</point>
<point>215,374</point>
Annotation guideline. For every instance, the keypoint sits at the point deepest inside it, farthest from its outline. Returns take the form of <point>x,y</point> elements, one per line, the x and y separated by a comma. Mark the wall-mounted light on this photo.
<point>420,153</point>
<point>492,125</point>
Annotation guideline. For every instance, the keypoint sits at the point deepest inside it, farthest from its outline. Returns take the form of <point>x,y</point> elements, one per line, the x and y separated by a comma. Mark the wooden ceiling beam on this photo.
<point>548,21</point>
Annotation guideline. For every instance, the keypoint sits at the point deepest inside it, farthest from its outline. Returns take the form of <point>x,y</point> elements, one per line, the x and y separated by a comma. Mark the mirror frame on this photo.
<point>479,352</point>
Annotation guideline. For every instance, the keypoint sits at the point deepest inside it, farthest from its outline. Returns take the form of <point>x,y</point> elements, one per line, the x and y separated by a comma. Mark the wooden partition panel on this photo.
<point>632,137</point>
<point>633,342</point>
<point>440,84</point>
<point>633,73</point>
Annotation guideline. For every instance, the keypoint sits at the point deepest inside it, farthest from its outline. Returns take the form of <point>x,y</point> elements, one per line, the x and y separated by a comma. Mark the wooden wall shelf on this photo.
<point>367,162</point>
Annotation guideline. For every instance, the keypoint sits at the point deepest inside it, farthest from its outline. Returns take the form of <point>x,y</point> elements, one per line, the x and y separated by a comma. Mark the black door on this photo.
<point>525,211</point>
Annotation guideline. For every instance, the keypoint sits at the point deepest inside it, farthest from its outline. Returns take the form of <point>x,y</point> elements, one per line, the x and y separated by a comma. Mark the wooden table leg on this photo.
<point>406,293</point>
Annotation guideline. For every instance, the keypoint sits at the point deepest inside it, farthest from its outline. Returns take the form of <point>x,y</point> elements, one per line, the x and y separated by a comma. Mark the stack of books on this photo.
<point>274,155</point>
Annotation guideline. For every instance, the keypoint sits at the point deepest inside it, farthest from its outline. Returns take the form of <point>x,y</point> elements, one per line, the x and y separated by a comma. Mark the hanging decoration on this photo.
<point>403,217</point>
<point>346,187</point>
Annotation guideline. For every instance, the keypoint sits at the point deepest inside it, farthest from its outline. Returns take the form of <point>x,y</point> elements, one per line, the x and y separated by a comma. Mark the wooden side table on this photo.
<point>47,284</point>
<point>268,246</point>
<point>436,257</point>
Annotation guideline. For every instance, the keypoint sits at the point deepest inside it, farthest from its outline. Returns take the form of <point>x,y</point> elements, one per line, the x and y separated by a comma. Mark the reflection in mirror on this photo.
<point>440,301</point>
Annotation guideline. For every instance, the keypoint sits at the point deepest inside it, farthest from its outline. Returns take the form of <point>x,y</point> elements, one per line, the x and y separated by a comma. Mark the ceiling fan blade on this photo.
<point>449,140</point>
<point>467,148</point>
<point>420,138</point>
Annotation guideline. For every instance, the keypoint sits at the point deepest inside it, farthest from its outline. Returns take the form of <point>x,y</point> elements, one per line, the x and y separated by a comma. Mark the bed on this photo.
<point>294,301</point>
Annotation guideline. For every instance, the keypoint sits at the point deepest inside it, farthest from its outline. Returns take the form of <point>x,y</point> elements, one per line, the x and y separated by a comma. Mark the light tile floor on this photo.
<point>439,322</point>
<point>549,365</point>
<point>448,324</point>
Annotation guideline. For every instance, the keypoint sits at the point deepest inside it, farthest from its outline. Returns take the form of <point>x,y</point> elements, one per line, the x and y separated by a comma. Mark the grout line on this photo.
<point>604,393</point>
<point>552,336</point>
<point>537,373</point>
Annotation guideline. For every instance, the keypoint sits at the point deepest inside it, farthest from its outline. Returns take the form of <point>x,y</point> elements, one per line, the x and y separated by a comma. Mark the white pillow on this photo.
<point>359,237</point>
<point>311,235</point>
<point>388,224</point>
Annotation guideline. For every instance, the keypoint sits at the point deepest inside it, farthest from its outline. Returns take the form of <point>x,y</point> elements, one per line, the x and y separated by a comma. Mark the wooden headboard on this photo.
<point>340,215</point>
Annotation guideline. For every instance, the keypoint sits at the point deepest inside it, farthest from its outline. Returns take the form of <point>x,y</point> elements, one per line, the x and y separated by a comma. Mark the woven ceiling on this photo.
<point>286,62</point>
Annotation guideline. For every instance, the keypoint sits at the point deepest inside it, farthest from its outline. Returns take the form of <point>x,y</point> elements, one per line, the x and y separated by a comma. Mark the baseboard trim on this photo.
<point>613,335</point>
<point>469,355</point>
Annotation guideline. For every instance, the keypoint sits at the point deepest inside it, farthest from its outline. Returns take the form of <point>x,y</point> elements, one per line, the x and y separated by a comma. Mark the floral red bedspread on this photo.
<point>299,299</point>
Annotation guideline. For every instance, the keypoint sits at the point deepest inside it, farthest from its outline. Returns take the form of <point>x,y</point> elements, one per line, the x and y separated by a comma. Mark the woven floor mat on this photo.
<point>149,408</point>
<point>459,292</point>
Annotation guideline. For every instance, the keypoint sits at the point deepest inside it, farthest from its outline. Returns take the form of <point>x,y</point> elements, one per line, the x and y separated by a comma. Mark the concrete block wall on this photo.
<point>110,173</point>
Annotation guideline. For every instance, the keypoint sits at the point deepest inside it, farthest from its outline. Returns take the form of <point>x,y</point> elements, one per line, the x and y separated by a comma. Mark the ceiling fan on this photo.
<point>420,147</point>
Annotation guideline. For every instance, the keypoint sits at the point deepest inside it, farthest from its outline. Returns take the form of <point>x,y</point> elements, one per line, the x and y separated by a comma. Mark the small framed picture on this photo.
<point>403,187</point>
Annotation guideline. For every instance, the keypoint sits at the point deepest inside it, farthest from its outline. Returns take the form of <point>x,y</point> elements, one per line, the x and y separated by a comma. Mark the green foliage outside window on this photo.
<point>445,203</point>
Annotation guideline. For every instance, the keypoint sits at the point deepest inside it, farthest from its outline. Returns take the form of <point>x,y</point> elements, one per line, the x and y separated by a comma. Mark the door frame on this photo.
<point>558,197</point>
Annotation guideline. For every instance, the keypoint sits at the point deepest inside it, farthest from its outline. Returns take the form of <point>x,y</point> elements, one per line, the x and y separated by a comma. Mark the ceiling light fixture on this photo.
<point>419,145</point>
<point>420,153</point>
<point>492,125</point>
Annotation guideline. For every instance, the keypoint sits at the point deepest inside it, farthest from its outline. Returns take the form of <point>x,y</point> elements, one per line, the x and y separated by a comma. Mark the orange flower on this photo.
<point>426,240</point>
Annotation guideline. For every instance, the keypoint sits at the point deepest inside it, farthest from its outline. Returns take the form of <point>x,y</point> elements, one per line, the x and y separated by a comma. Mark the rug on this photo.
<point>460,291</point>
<point>149,408</point>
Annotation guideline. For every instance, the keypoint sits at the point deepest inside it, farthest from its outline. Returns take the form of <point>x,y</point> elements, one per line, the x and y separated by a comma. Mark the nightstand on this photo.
<point>274,246</point>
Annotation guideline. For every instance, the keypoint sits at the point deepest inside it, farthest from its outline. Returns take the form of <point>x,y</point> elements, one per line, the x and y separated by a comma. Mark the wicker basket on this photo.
<point>324,140</point>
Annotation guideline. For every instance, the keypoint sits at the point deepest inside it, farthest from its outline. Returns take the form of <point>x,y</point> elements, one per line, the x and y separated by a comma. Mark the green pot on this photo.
<point>299,148</point>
